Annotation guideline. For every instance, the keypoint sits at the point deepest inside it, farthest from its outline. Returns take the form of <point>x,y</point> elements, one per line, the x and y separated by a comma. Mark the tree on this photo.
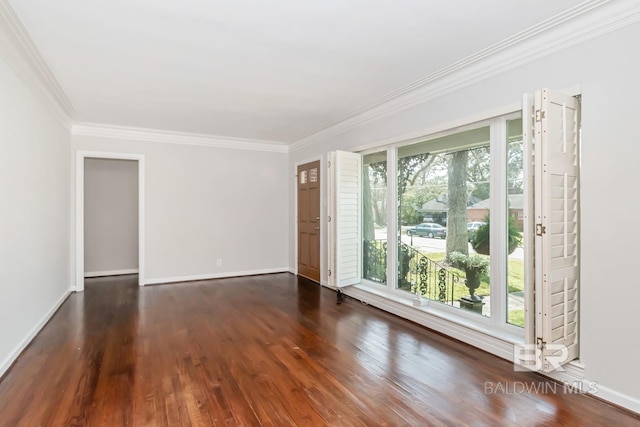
<point>368,229</point>
<point>374,198</point>
<point>479,172</point>
<point>515,164</point>
<point>457,203</point>
<point>408,168</point>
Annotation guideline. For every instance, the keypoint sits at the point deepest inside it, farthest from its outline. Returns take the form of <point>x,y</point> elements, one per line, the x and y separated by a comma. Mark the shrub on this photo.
<point>478,263</point>
<point>480,239</point>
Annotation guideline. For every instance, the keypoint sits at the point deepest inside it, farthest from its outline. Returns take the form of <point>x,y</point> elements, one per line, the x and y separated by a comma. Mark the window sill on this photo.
<point>471,328</point>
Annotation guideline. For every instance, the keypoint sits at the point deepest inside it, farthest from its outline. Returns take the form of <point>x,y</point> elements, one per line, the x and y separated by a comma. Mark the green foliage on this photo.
<point>478,263</point>
<point>480,241</point>
<point>374,263</point>
<point>479,172</point>
<point>411,201</point>
<point>403,266</point>
<point>515,161</point>
<point>474,266</point>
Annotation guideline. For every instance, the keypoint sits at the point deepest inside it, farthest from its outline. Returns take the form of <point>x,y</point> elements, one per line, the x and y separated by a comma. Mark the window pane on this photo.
<point>374,217</point>
<point>443,197</point>
<point>515,204</point>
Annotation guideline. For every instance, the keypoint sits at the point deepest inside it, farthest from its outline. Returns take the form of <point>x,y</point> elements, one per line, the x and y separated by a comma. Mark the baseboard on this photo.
<point>111,273</point>
<point>617,398</point>
<point>158,281</point>
<point>6,364</point>
<point>573,373</point>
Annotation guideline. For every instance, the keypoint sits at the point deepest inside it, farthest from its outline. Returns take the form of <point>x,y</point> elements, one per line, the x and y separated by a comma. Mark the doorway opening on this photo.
<point>88,173</point>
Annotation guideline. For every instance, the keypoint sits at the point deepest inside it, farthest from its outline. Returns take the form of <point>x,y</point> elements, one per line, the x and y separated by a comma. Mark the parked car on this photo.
<point>472,227</point>
<point>428,229</point>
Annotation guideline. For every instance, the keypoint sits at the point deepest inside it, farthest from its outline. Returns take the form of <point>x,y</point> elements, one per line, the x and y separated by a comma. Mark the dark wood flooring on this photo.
<point>270,350</point>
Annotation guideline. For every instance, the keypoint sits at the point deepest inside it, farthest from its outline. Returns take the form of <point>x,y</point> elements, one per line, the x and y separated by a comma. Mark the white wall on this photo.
<point>110,215</point>
<point>34,214</point>
<point>608,74</point>
<point>203,204</point>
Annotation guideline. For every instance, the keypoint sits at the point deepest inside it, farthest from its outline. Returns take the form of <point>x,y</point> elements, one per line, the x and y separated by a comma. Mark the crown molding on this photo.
<point>169,137</point>
<point>25,58</point>
<point>584,22</point>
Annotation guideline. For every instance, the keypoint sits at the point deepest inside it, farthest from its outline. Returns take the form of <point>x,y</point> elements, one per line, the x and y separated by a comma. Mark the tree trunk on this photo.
<point>368,228</point>
<point>457,202</point>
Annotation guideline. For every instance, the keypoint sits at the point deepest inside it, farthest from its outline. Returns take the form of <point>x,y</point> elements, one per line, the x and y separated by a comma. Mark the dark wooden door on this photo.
<point>308,179</point>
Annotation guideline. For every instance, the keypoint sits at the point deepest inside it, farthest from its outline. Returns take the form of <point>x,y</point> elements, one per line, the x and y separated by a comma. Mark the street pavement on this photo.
<point>426,244</point>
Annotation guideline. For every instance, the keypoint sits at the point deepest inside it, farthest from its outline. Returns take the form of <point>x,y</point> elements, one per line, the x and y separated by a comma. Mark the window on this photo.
<point>374,217</point>
<point>484,222</point>
<point>442,185</point>
<point>514,226</point>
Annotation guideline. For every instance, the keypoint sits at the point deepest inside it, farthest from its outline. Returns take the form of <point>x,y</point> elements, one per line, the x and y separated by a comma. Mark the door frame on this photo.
<point>323,215</point>
<point>79,244</point>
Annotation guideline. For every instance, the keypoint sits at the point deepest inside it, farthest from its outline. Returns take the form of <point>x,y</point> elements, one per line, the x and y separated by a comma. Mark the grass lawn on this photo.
<point>516,317</point>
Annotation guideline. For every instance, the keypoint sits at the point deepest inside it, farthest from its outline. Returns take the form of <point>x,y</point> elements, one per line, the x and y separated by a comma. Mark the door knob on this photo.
<point>317,228</point>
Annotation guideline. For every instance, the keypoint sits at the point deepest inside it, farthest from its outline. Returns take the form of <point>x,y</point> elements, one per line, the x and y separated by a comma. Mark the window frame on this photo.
<point>495,335</point>
<point>498,146</point>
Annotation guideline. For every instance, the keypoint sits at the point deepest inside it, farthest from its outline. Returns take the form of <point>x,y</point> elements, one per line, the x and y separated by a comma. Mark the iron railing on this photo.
<point>416,271</point>
<point>374,263</point>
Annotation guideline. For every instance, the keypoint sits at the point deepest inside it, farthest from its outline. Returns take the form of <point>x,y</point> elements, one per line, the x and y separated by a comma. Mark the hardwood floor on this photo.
<point>265,350</point>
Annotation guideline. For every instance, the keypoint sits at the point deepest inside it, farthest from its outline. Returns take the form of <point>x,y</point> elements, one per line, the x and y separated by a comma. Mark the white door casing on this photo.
<point>79,199</point>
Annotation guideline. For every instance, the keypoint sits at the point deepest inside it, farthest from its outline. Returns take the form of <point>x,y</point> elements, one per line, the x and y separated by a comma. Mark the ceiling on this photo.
<point>276,70</point>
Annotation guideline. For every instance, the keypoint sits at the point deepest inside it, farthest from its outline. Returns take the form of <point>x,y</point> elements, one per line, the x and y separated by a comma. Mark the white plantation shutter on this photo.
<point>345,213</point>
<point>556,155</point>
